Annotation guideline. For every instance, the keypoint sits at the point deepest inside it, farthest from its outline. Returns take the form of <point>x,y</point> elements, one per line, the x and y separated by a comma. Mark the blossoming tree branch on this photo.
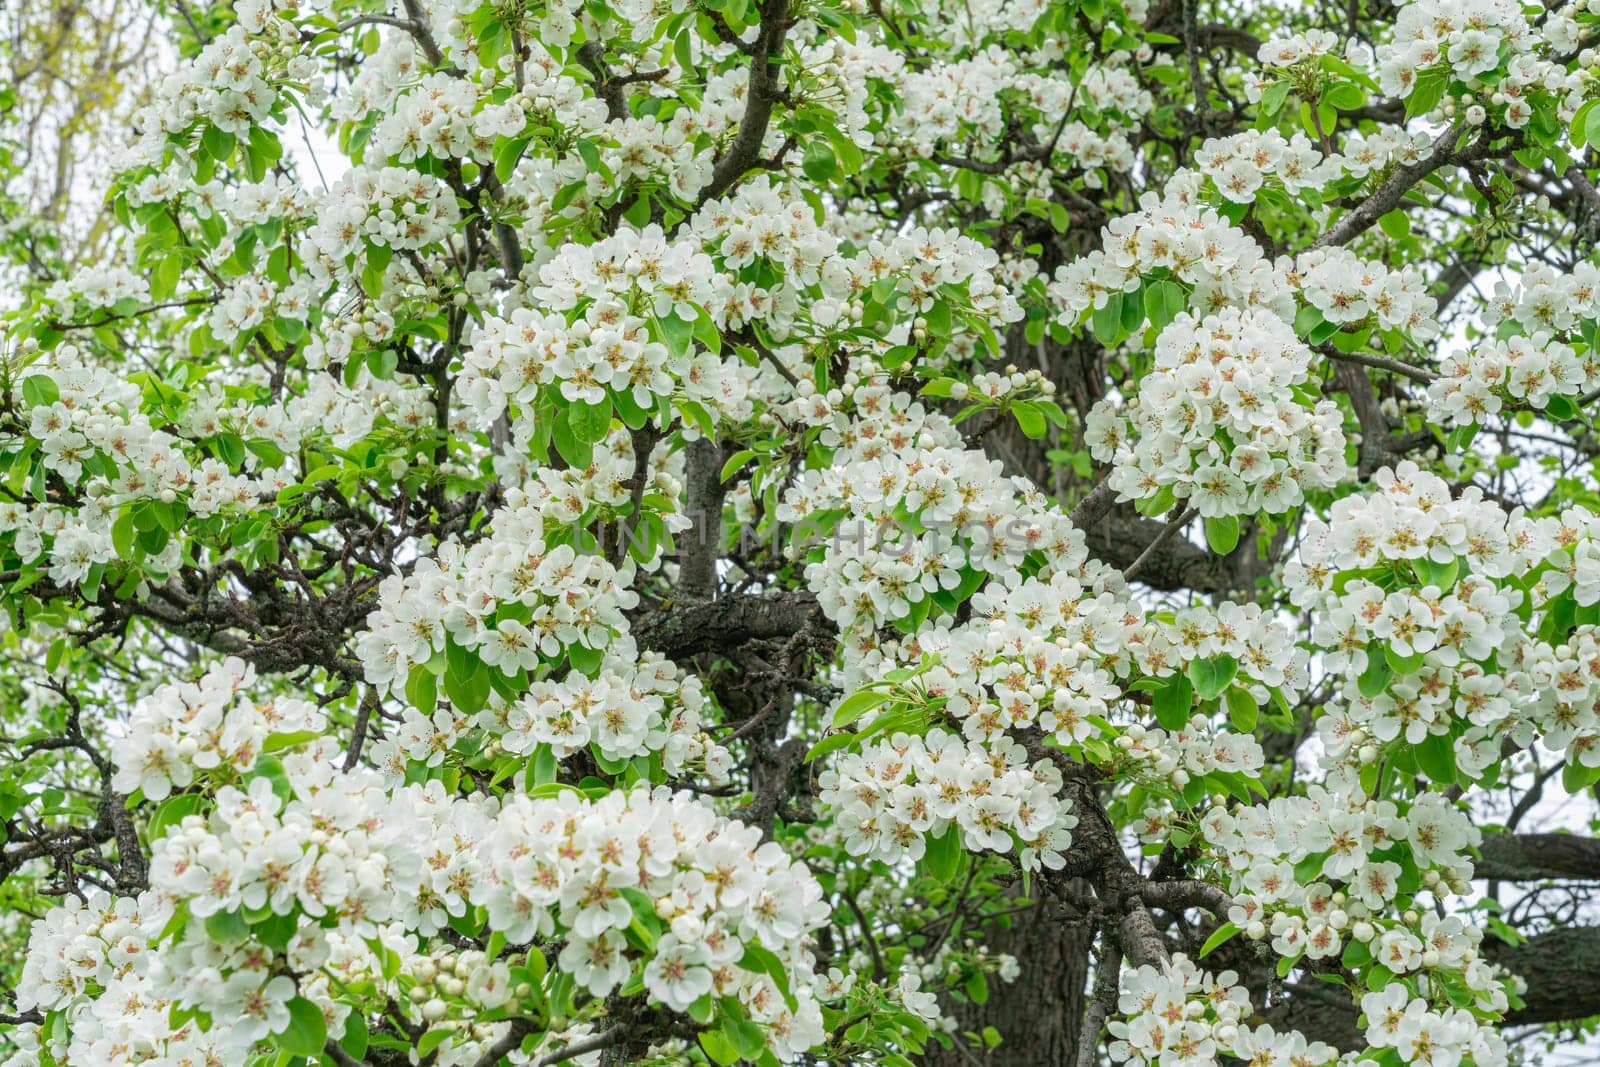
<point>811,532</point>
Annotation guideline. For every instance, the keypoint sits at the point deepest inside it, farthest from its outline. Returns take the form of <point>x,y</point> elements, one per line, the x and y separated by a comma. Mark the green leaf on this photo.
<point>1579,134</point>
<point>432,1040</point>
<point>577,453</point>
<point>719,1048</point>
<point>545,765</point>
<point>831,743</point>
<point>40,390</point>
<point>1427,91</point>
<point>1307,319</point>
<point>1376,677</point>
<point>382,363</point>
<point>1396,224</point>
<point>291,739</point>
<point>736,462</point>
<point>590,422</point>
<point>1163,301</point>
<point>942,858</point>
<point>856,705</point>
<point>1437,758</point>
<point>586,660</point>
<point>1223,933</point>
<point>1561,408</point>
<point>1576,778</point>
<point>1441,575</point>
<point>275,931</point>
<point>744,1036</point>
<point>1309,869</point>
<point>170,812</point>
<point>1273,98</point>
<point>1107,321</point>
<point>218,143</point>
<point>356,1035</point>
<point>468,693</point>
<point>1029,419</point>
<point>819,162</point>
<point>123,533</point>
<point>676,334</point>
<point>1222,534</point>
<point>1344,96</point>
<point>1356,954</point>
<point>1212,676</point>
<point>760,960</point>
<point>307,1031</point>
<point>1402,664</point>
<point>1171,703</point>
<point>506,157</point>
<point>1243,713</point>
<point>227,928</point>
<point>422,689</point>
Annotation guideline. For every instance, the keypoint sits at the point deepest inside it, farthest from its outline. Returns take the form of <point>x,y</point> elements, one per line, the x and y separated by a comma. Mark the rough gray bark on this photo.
<point>1038,1015</point>
<point>1533,857</point>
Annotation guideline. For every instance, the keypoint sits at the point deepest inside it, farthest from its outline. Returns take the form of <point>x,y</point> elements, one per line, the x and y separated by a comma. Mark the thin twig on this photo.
<point>1160,539</point>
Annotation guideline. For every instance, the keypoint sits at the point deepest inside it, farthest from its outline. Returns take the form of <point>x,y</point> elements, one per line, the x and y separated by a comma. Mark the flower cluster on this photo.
<point>621,284</point>
<point>515,599</point>
<point>1240,164</point>
<point>892,797</point>
<point>1444,616</point>
<point>926,265</point>
<point>762,224</point>
<point>1333,874</point>
<point>1372,152</point>
<point>1047,656</point>
<point>1224,420</point>
<point>907,513</point>
<point>441,117</point>
<point>1349,290</point>
<point>91,431</point>
<point>1467,41</point>
<point>636,703</point>
<point>1297,48</point>
<point>230,85</point>
<point>392,207</point>
<point>515,604</point>
<point>1178,1013</point>
<point>1368,852</point>
<point>948,104</point>
<point>91,957</point>
<point>101,285</point>
<point>1544,300</point>
<point>1522,371</point>
<point>183,730</point>
<point>1421,1035</point>
<point>345,860</point>
<point>713,883</point>
<point>1218,263</point>
<point>586,869</point>
<point>1260,643</point>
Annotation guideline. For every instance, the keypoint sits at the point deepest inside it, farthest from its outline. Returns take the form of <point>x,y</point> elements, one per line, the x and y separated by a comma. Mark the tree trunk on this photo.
<point>1038,1015</point>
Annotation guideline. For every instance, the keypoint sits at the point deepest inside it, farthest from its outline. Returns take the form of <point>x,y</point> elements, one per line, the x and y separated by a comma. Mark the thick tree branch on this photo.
<point>766,67</point>
<point>1394,188</point>
<point>1534,857</point>
<point>686,629</point>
